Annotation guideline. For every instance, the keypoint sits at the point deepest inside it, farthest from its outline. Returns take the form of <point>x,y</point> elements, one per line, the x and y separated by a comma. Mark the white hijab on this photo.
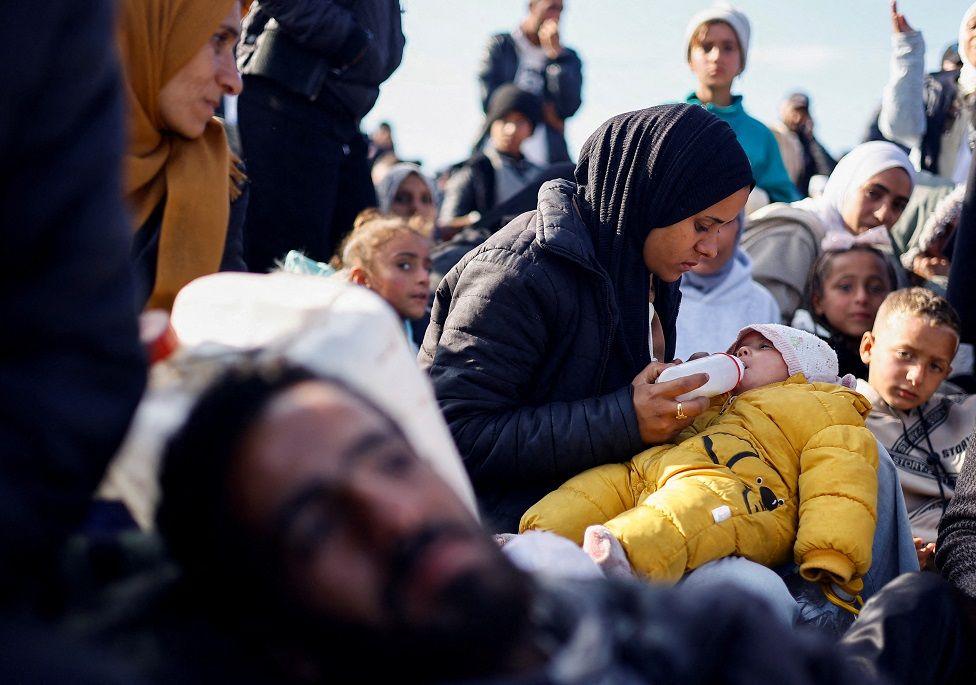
<point>850,174</point>
<point>967,78</point>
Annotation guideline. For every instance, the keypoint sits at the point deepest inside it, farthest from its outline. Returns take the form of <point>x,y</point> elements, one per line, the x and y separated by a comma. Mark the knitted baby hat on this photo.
<point>803,353</point>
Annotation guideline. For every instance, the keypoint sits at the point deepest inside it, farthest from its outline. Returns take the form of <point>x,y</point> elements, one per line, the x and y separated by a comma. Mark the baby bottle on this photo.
<point>724,373</point>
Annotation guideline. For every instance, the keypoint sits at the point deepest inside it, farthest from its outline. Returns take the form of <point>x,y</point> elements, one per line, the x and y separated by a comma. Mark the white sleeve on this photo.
<point>902,117</point>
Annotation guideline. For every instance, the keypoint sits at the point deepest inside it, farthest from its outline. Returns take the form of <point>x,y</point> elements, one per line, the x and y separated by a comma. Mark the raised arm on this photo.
<point>902,117</point>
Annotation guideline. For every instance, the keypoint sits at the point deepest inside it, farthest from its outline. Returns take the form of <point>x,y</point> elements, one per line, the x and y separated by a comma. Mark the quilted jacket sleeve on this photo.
<point>493,343</point>
<point>838,497</point>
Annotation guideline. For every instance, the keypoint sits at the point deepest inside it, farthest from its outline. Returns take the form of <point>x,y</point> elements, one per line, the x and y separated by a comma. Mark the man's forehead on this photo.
<point>312,431</point>
<point>316,416</point>
<point>313,396</point>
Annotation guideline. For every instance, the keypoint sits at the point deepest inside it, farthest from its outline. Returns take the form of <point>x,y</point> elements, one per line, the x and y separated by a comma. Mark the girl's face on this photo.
<point>413,198</point>
<point>673,250</point>
<point>879,202</point>
<point>764,364</point>
<point>400,274</point>
<point>855,286</point>
<point>716,58</point>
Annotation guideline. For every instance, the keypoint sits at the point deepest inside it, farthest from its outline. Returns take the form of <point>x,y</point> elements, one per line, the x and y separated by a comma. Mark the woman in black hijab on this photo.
<point>539,346</point>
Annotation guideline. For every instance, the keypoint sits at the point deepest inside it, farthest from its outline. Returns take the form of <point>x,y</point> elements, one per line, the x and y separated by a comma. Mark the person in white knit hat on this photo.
<point>731,486</point>
<point>716,49</point>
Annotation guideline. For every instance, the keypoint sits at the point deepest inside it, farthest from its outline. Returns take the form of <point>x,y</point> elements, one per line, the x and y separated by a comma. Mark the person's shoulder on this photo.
<point>756,127</point>
<point>512,247</point>
<point>956,398</point>
<point>780,214</point>
<point>465,172</point>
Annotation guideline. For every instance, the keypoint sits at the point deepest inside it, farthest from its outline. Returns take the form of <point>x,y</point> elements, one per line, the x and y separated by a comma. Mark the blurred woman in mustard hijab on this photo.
<point>182,183</point>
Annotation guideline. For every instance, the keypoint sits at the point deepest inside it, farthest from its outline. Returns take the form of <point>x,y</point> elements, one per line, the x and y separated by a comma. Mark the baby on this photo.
<point>781,463</point>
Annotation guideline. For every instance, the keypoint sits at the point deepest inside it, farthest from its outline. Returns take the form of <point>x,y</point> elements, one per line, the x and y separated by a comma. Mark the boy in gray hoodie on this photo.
<point>909,353</point>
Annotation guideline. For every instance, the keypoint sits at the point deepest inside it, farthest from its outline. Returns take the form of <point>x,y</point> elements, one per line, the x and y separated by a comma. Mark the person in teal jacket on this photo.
<point>717,40</point>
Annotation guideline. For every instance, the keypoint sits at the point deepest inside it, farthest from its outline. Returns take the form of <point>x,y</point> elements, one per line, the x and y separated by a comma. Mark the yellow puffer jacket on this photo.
<point>788,466</point>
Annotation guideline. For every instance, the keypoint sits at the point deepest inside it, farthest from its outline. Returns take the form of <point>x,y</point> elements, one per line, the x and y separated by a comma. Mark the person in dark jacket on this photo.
<point>315,546</point>
<point>71,366</point>
<point>917,629</point>
<point>538,346</point>
<point>955,551</point>
<point>312,70</point>
<point>961,288</point>
<point>499,170</point>
<point>534,58</point>
<point>181,176</point>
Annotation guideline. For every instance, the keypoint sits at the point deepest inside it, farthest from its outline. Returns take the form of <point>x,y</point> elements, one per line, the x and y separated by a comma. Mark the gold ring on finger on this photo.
<point>681,414</point>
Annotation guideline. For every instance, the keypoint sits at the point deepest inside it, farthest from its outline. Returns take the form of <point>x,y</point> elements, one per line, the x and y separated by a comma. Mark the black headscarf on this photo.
<point>650,169</point>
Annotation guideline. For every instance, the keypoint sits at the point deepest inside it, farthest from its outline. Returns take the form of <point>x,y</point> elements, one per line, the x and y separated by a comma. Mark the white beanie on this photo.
<point>721,11</point>
<point>803,353</point>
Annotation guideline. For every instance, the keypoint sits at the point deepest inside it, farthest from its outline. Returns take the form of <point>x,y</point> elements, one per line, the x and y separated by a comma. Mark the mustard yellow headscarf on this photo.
<point>157,38</point>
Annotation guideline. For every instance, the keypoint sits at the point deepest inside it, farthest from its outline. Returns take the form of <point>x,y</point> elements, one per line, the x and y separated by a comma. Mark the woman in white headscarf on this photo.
<point>864,196</point>
<point>932,115</point>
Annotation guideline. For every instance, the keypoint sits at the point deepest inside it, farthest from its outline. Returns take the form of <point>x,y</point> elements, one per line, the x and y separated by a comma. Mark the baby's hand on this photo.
<point>926,554</point>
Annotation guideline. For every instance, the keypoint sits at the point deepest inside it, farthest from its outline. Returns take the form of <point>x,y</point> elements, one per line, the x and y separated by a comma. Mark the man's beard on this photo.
<point>483,616</point>
<point>480,616</point>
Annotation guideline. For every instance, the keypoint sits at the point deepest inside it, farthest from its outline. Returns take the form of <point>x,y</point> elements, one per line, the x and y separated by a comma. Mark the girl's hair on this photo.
<point>371,230</point>
<point>821,268</point>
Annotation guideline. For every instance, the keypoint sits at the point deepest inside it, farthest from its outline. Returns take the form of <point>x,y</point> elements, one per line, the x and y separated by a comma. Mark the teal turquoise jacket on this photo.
<point>760,146</point>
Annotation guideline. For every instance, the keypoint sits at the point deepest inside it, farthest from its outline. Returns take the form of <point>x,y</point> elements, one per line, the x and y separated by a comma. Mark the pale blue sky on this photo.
<point>633,57</point>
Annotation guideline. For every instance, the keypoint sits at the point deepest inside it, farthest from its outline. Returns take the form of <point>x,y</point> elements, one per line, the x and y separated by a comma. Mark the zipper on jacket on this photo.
<point>605,296</point>
<point>609,343</point>
<point>728,404</point>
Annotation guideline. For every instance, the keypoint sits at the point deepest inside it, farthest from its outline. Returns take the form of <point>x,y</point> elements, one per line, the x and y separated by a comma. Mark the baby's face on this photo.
<point>764,364</point>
